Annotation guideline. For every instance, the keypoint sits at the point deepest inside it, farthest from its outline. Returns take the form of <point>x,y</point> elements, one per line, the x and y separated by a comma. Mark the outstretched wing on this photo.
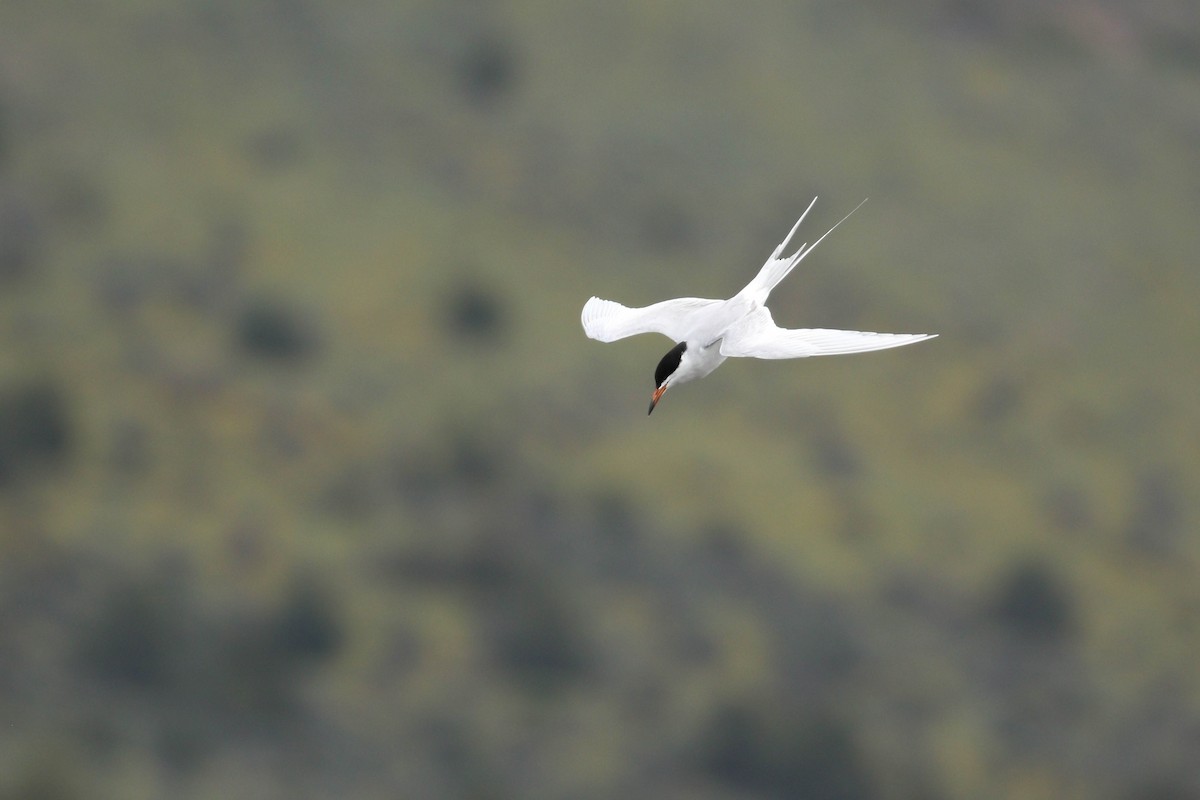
<point>757,336</point>
<point>608,321</point>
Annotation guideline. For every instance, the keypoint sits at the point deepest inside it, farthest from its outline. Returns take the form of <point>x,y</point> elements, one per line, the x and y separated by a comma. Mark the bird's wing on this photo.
<point>757,336</point>
<point>609,321</point>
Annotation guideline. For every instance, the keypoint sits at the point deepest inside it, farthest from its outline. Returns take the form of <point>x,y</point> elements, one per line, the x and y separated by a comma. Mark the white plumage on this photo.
<point>709,331</point>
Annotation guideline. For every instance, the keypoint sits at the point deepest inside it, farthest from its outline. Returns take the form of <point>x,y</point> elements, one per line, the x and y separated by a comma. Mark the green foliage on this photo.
<point>535,636</point>
<point>20,235</point>
<point>154,638</point>
<point>271,332</point>
<point>779,754</point>
<point>475,313</point>
<point>308,626</point>
<point>35,430</point>
<point>1031,602</point>
<point>488,70</point>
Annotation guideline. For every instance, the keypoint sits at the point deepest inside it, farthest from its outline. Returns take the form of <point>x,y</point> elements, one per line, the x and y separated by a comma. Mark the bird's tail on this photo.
<point>778,265</point>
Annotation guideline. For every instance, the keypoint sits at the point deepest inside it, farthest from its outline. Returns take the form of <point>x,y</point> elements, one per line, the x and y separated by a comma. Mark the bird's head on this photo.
<point>665,370</point>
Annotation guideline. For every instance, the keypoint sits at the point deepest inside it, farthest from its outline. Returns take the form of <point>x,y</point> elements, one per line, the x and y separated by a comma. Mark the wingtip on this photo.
<point>585,316</point>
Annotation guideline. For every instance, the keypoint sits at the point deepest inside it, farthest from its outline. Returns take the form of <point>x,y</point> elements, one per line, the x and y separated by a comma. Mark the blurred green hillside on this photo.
<point>311,485</point>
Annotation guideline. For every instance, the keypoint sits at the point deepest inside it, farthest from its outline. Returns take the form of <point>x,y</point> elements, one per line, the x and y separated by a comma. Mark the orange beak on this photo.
<point>654,398</point>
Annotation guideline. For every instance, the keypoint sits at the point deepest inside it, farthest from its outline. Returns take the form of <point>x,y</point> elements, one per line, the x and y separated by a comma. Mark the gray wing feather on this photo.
<point>608,321</point>
<point>757,336</point>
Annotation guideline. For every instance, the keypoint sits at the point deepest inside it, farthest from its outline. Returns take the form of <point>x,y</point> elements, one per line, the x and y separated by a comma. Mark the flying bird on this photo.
<point>707,332</point>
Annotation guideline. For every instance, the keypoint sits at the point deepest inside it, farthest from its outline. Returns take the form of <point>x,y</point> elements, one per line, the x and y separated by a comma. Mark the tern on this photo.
<point>707,332</point>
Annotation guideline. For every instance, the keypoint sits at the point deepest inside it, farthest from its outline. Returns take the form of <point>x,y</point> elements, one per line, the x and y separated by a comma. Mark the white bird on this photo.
<point>709,331</point>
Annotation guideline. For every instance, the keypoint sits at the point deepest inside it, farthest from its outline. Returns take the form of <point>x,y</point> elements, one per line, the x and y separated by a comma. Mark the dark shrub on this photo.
<point>20,239</point>
<point>233,666</point>
<point>536,640</point>
<point>35,430</point>
<point>1031,601</point>
<point>487,71</point>
<point>135,637</point>
<point>833,454</point>
<point>777,754</point>
<point>270,331</point>
<point>474,313</point>
<point>309,626</point>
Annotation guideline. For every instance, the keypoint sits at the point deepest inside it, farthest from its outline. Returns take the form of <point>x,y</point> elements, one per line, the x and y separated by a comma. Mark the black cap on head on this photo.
<point>669,363</point>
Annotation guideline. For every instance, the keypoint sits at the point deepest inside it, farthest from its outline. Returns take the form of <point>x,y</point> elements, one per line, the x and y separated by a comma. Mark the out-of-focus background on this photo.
<point>311,485</point>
